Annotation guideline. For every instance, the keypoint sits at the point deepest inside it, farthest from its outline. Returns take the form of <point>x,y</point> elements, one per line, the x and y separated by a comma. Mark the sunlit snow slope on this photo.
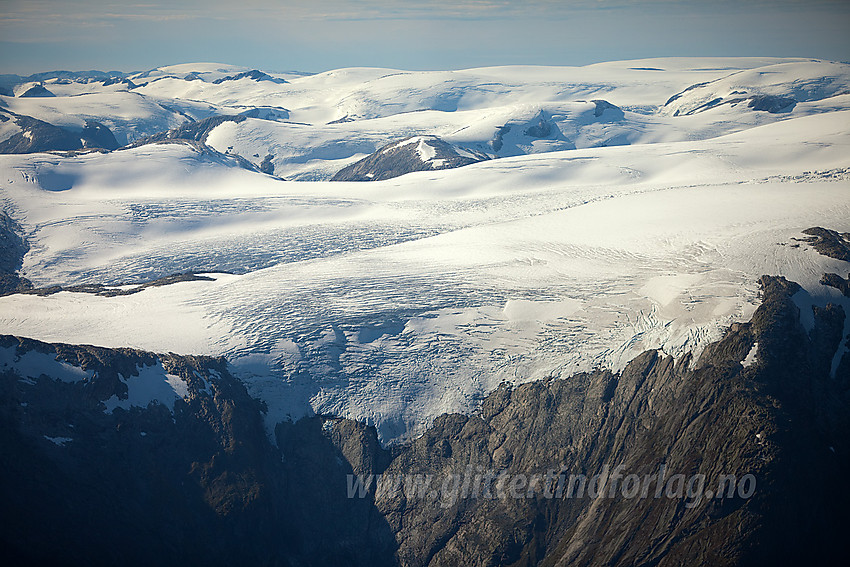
<point>624,209</point>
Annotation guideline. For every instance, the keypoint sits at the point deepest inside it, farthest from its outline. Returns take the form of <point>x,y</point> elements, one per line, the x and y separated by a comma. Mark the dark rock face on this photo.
<point>39,136</point>
<point>342,120</point>
<point>205,484</point>
<point>418,153</point>
<point>13,283</point>
<point>541,129</point>
<point>119,81</point>
<point>96,135</point>
<point>36,91</point>
<point>109,291</point>
<point>498,138</point>
<point>677,96</point>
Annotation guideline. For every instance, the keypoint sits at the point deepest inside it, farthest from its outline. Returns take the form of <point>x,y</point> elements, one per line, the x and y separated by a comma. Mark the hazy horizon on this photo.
<point>41,35</point>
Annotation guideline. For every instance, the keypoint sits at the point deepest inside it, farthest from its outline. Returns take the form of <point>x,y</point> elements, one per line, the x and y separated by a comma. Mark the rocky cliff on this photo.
<point>115,455</point>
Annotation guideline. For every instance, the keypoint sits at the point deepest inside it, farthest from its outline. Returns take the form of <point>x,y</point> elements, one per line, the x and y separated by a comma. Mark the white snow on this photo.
<point>750,359</point>
<point>395,301</point>
<point>426,152</point>
<point>8,128</point>
<point>33,364</point>
<point>152,385</point>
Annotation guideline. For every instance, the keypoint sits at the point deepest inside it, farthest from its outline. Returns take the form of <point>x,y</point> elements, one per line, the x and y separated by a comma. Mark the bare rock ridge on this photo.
<point>93,473</point>
<point>8,81</point>
<point>829,242</point>
<point>196,131</point>
<point>113,290</point>
<point>13,247</point>
<point>39,136</point>
<point>254,74</point>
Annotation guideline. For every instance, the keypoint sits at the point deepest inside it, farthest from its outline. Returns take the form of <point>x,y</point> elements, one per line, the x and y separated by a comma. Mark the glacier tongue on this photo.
<point>395,301</point>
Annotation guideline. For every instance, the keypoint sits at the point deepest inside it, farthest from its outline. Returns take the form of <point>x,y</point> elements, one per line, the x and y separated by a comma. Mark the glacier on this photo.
<point>595,231</point>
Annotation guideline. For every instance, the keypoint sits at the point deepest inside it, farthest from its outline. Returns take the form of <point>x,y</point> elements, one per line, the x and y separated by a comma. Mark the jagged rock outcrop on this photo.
<point>119,81</point>
<point>829,242</point>
<point>839,283</point>
<point>417,153</point>
<point>771,103</point>
<point>91,472</point>
<point>107,291</point>
<point>519,135</point>
<point>204,483</point>
<point>539,129</point>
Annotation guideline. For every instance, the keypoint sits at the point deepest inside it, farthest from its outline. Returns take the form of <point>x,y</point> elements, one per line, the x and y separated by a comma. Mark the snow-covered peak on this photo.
<point>417,153</point>
<point>201,71</point>
<point>772,88</point>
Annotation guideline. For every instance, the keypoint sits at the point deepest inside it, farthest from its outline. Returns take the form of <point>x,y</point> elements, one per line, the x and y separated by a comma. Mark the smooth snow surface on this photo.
<point>603,228</point>
<point>33,364</point>
<point>751,356</point>
<point>152,385</point>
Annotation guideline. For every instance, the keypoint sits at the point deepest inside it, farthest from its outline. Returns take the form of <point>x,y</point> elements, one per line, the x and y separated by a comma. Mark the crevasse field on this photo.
<point>625,206</point>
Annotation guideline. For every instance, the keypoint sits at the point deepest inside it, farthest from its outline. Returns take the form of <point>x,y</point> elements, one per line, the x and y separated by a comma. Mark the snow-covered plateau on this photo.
<point>605,210</point>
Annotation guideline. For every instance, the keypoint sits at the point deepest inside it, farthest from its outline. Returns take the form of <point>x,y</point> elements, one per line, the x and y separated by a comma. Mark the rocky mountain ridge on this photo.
<point>416,153</point>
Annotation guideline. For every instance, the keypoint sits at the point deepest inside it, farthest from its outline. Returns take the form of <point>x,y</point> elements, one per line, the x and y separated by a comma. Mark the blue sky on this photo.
<point>41,35</point>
